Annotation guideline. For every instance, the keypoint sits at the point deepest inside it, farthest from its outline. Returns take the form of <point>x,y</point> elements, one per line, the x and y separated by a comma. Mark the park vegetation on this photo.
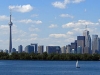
<point>53,56</point>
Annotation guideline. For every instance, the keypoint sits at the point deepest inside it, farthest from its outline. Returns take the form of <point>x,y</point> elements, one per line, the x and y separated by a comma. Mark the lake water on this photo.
<point>15,67</point>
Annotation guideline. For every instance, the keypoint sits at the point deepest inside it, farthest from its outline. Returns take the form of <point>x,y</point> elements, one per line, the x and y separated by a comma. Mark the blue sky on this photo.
<point>47,22</point>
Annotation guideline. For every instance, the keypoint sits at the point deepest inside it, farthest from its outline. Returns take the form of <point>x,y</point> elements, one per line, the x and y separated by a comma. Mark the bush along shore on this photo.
<point>45,56</point>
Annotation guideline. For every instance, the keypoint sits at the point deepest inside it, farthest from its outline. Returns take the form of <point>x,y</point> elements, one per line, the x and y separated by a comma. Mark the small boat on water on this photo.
<point>77,65</point>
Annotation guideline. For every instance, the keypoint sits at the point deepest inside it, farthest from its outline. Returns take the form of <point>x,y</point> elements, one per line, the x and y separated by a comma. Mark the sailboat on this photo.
<point>77,65</point>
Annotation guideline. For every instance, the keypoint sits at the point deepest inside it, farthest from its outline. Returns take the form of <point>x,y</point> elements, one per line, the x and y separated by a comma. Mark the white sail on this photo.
<point>77,65</point>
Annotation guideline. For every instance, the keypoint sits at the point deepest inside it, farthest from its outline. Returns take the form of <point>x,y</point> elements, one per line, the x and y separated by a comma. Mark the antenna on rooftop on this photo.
<point>86,27</point>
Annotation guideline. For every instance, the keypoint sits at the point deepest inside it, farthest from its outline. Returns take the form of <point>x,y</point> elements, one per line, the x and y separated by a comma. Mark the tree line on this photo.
<point>53,56</point>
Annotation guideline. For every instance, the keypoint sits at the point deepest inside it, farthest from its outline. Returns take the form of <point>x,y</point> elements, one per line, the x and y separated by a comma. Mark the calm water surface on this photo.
<point>14,67</point>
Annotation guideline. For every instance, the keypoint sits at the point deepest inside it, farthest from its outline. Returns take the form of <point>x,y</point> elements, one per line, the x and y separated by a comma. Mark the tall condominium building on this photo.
<point>86,50</point>
<point>99,45</point>
<point>29,49</point>
<point>35,45</point>
<point>79,50</point>
<point>81,42</point>
<point>87,41</point>
<point>40,49</point>
<point>53,49</point>
<point>94,44</point>
<point>63,49</point>
<point>74,47</point>
<point>20,48</point>
<point>13,50</point>
<point>68,49</point>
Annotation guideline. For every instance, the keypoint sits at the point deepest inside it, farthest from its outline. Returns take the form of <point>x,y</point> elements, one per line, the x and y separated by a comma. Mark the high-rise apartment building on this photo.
<point>13,50</point>
<point>40,49</point>
<point>29,49</point>
<point>68,49</point>
<point>74,47</point>
<point>94,44</point>
<point>79,50</point>
<point>35,45</point>
<point>81,42</point>
<point>63,49</point>
<point>53,49</point>
<point>87,41</point>
<point>20,49</point>
<point>99,45</point>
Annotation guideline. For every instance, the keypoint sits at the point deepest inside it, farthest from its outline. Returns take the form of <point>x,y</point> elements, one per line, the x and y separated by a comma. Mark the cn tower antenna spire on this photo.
<point>10,15</point>
<point>86,27</point>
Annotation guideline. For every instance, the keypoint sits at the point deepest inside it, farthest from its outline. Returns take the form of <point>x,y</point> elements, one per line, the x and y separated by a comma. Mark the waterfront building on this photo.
<point>87,40</point>
<point>94,44</point>
<point>63,49</point>
<point>73,51</point>
<point>40,49</point>
<point>81,42</point>
<point>13,50</point>
<point>20,49</point>
<point>86,50</point>
<point>29,49</point>
<point>74,47</point>
<point>99,45</point>
<point>35,45</point>
<point>79,50</point>
<point>53,49</point>
<point>68,49</point>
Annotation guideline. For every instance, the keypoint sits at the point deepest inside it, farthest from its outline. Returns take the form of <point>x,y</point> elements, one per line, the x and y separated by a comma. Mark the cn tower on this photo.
<point>10,37</point>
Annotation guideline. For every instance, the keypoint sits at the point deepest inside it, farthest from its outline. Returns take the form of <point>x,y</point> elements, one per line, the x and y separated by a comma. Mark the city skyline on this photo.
<point>51,22</point>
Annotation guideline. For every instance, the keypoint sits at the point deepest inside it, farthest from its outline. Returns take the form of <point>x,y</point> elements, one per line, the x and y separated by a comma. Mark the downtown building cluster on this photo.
<point>83,44</point>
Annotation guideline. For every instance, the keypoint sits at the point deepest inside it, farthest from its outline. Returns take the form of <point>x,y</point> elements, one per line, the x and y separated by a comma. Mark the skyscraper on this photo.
<point>53,49</point>
<point>40,49</point>
<point>81,42</point>
<point>10,37</point>
<point>74,47</point>
<point>87,40</point>
<point>29,49</point>
<point>63,49</point>
<point>35,45</point>
<point>99,45</point>
<point>20,49</point>
<point>94,44</point>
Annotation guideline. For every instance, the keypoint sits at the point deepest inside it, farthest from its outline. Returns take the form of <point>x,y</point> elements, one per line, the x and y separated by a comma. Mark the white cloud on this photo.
<point>53,26</point>
<point>59,5</point>
<point>77,1</point>
<point>70,33</point>
<point>79,23</point>
<point>66,15</point>
<point>57,35</point>
<point>33,39</point>
<point>69,40</point>
<point>3,17</point>
<point>62,5</point>
<point>21,8</point>
<point>27,21</point>
<point>4,29</point>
